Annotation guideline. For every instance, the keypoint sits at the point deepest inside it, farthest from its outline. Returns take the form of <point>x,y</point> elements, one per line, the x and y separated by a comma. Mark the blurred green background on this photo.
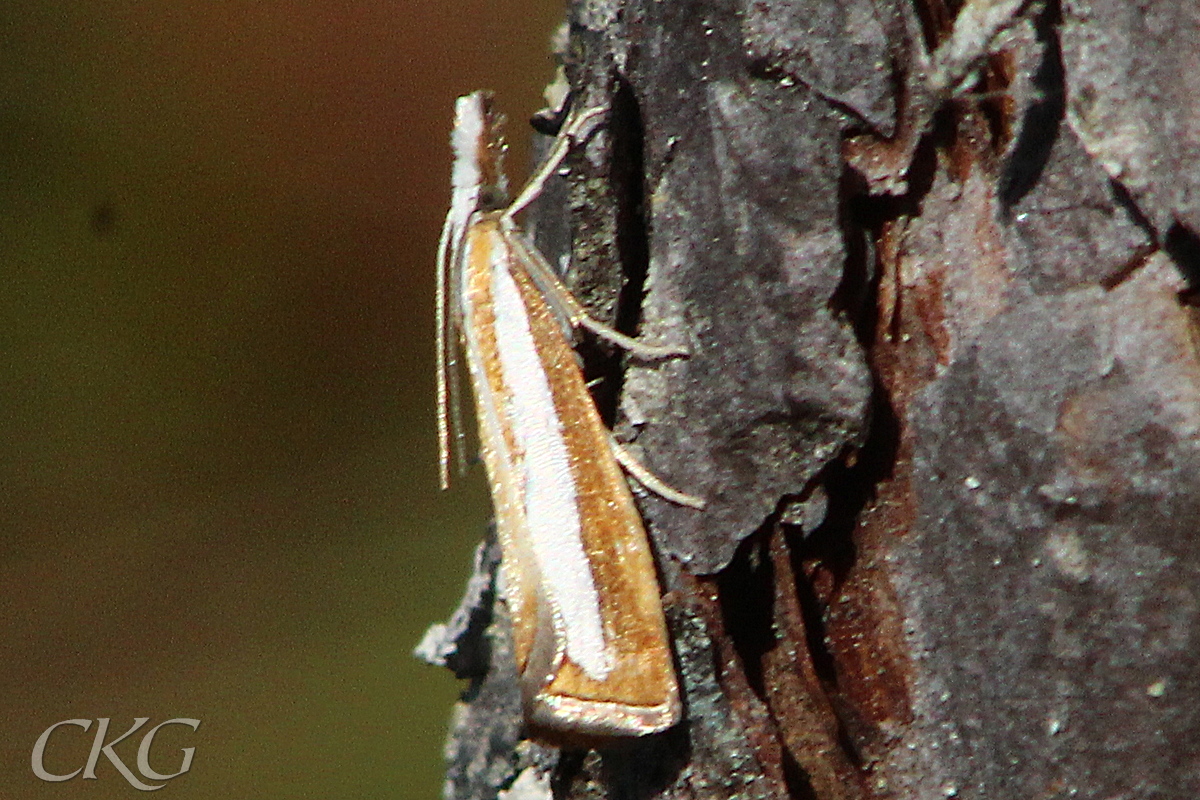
<point>217,230</point>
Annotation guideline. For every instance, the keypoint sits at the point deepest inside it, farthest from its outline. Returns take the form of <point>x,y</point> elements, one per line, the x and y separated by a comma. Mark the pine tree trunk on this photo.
<point>934,265</point>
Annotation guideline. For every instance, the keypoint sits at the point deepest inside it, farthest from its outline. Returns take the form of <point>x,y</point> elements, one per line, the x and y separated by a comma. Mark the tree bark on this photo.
<point>935,266</point>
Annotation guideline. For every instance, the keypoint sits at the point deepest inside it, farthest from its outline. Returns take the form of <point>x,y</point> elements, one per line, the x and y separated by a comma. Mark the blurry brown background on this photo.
<point>217,228</point>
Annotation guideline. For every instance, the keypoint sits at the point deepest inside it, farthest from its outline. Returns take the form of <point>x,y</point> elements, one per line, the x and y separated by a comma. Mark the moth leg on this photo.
<point>569,310</point>
<point>651,481</point>
<point>562,302</point>
<point>562,144</point>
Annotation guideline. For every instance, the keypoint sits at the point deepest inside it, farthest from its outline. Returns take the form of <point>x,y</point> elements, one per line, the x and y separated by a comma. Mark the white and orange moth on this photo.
<point>576,569</point>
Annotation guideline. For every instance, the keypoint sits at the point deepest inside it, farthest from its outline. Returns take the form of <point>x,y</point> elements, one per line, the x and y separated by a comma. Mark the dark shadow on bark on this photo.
<point>1183,246</point>
<point>1045,115</point>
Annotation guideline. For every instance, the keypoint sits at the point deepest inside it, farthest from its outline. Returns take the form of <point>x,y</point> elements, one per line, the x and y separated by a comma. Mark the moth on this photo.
<point>577,573</point>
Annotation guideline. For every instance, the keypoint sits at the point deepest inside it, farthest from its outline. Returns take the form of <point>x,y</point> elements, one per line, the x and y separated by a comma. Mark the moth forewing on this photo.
<point>577,571</point>
<point>638,683</point>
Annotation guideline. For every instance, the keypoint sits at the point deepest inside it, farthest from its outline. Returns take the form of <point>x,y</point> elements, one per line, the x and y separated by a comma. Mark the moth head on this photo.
<point>479,148</point>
